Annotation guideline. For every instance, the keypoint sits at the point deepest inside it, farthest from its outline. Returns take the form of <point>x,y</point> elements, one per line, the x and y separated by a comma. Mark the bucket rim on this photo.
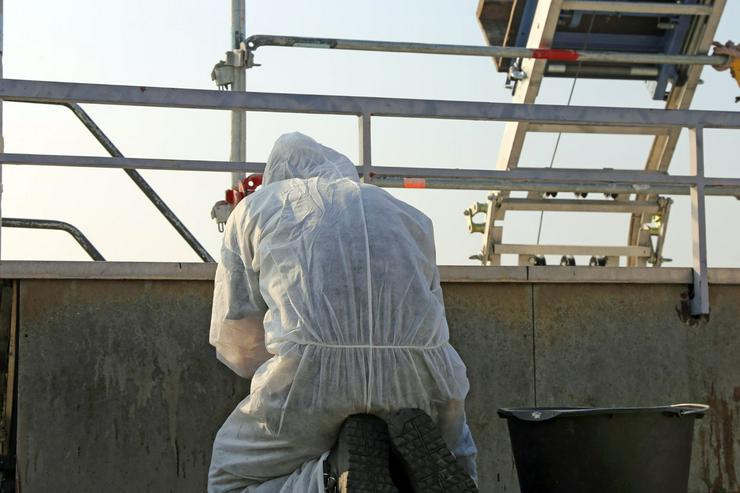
<point>547,413</point>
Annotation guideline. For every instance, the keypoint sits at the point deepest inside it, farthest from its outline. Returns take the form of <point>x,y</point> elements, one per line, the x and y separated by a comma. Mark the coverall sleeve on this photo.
<point>238,312</point>
<point>431,256</point>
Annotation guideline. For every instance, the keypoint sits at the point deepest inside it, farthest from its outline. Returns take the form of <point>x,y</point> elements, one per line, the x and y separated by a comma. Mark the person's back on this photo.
<point>345,277</point>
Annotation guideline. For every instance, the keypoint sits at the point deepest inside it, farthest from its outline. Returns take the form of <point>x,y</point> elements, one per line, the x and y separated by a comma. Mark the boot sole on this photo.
<point>367,445</point>
<point>428,463</point>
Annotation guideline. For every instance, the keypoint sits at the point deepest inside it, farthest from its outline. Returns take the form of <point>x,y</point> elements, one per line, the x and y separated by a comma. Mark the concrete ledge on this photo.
<point>163,271</point>
<point>620,275</point>
<point>475,273</point>
<point>603,275</point>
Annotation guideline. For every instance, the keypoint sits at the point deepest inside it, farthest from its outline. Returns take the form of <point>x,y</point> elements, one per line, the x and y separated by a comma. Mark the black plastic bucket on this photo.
<point>605,450</point>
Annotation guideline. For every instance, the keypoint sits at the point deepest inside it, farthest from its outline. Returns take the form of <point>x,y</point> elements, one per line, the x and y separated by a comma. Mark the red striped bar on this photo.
<point>552,54</point>
<point>414,183</point>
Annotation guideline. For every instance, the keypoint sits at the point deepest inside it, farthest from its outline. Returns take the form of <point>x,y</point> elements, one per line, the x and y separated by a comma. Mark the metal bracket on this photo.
<point>657,229</point>
<point>514,75</point>
<point>683,309</point>
<point>491,234</point>
<point>471,212</point>
<point>220,212</point>
<point>224,72</point>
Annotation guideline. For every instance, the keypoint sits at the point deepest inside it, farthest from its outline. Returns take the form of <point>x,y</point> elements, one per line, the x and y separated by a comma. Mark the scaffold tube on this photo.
<point>260,40</point>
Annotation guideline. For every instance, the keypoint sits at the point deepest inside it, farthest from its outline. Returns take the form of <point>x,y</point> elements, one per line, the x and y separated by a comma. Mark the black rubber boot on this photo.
<point>427,462</point>
<point>359,462</point>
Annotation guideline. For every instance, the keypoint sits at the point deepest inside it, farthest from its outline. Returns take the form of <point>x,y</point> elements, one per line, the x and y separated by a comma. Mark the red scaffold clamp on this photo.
<point>732,51</point>
<point>222,209</point>
<point>247,186</point>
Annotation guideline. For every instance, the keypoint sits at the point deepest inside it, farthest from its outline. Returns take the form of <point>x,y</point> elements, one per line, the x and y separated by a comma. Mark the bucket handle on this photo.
<point>693,408</point>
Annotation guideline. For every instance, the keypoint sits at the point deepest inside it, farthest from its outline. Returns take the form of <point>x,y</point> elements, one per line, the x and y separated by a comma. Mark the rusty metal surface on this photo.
<point>714,375</point>
<point>119,390</point>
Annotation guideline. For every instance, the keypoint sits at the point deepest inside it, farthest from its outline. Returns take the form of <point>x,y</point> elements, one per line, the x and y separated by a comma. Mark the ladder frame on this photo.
<point>541,35</point>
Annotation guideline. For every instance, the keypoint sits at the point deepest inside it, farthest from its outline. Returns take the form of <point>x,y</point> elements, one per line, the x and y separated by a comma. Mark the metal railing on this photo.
<point>141,183</point>
<point>256,41</point>
<point>696,184</point>
<point>79,236</point>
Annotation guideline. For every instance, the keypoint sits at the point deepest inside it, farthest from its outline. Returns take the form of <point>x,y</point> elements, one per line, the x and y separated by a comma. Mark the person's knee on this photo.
<point>222,481</point>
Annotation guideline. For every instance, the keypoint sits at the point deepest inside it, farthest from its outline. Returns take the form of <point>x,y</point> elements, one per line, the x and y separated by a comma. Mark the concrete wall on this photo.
<point>118,390</point>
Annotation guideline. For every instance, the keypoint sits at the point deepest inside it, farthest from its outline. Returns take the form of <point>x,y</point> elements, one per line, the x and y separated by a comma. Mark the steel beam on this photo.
<point>65,92</point>
<point>129,163</point>
<point>549,185</point>
<point>568,205</point>
<point>637,7</point>
<point>238,141</point>
<point>531,52</point>
<point>610,251</point>
<point>365,123</point>
<point>636,178</point>
<point>540,36</point>
<point>531,179</point>
<point>587,129</point>
<point>700,300</point>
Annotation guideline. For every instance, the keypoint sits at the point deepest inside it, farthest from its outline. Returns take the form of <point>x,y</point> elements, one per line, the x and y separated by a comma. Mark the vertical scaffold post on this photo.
<point>238,117</point>
<point>365,147</point>
<point>700,301</point>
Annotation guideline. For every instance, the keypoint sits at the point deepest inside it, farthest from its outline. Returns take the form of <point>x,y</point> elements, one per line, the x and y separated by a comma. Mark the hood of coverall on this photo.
<point>298,156</point>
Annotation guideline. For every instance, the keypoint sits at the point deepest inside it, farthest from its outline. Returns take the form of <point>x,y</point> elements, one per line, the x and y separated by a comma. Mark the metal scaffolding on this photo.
<point>608,181</point>
<point>534,62</point>
<point>647,229</point>
<point>260,40</point>
<point>633,192</point>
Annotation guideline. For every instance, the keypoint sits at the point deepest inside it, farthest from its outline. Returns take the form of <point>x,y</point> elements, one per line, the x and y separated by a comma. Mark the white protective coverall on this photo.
<point>338,281</point>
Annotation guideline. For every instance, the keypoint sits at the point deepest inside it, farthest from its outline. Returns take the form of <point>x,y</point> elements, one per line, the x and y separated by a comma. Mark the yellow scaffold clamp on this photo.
<point>732,51</point>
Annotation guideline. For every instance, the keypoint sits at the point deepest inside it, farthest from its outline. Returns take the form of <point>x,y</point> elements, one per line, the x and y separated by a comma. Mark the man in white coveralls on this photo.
<point>338,281</point>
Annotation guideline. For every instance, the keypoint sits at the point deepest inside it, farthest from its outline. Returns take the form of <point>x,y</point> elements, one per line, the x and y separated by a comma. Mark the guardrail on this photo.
<point>79,236</point>
<point>256,41</point>
<point>365,108</point>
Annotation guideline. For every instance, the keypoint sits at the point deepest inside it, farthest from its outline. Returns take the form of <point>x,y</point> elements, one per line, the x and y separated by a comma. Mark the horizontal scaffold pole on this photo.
<point>31,91</point>
<point>260,40</point>
<point>523,178</point>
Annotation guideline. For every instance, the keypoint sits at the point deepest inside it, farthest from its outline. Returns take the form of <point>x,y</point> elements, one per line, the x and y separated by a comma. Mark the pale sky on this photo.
<point>176,43</point>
